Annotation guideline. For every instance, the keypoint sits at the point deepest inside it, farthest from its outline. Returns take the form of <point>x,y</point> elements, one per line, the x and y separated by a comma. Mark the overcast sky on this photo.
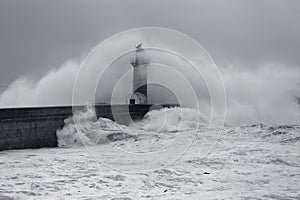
<point>38,35</point>
<point>255,44</point>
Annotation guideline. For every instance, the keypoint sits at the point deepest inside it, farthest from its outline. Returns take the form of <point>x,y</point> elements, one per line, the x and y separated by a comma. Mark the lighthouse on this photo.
<point>140,64</point>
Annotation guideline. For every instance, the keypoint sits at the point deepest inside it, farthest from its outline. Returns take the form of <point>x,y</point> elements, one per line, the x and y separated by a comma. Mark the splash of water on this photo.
<point>83,128</point>
<point>171,120</point>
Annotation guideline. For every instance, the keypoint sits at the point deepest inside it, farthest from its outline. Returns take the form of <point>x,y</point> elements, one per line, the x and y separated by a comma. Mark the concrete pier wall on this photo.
<point>35,127</point>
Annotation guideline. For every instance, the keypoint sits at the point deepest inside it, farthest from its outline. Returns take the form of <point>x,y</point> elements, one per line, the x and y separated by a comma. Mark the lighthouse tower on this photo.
<point>140,63</point>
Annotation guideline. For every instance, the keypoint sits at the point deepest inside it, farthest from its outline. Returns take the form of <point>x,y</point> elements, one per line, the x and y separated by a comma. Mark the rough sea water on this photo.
<point>170,154</point>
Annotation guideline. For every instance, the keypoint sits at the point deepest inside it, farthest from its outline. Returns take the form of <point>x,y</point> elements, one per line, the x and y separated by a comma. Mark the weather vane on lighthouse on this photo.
<point>139,46</point>
<point>140,63</point>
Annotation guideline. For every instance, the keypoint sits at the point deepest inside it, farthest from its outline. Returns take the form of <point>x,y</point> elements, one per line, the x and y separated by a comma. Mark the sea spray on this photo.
<point>171,120</point>
<point>83,128</point>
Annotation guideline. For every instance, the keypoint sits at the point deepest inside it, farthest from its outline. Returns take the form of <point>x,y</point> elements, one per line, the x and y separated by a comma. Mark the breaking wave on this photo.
<point>83,128</point>
<point>171,120</point>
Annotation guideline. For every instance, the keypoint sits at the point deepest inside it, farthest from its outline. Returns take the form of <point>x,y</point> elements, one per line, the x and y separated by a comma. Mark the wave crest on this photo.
<point>171,120</point>
<point>83,128</point>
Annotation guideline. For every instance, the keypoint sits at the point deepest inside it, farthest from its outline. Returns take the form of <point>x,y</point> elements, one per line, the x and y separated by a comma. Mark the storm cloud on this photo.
<point>255,44</point>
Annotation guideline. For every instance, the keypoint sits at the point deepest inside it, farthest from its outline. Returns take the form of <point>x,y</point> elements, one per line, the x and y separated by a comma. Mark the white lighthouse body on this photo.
<point>140,63</point>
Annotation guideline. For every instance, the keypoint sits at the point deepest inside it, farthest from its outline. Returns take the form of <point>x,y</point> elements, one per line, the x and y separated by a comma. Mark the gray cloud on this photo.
<point>254,43</point>
<point>36,36</point>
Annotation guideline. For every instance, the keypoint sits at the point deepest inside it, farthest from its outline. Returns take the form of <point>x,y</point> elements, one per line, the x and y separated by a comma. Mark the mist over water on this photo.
<point>54,88</point>
<point>267,94</point>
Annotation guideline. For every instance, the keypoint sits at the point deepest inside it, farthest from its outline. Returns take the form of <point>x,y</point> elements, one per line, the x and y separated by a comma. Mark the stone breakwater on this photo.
<point>35,127</point>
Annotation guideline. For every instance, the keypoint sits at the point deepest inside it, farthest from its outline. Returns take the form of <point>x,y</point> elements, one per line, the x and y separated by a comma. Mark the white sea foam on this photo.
<point>83,128</point>
<point>260,157</point>
<point>171,120</point>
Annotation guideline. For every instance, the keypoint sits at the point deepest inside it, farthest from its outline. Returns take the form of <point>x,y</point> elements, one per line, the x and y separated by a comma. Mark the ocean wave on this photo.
<point>171,120</point>
<point>83,128</point>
